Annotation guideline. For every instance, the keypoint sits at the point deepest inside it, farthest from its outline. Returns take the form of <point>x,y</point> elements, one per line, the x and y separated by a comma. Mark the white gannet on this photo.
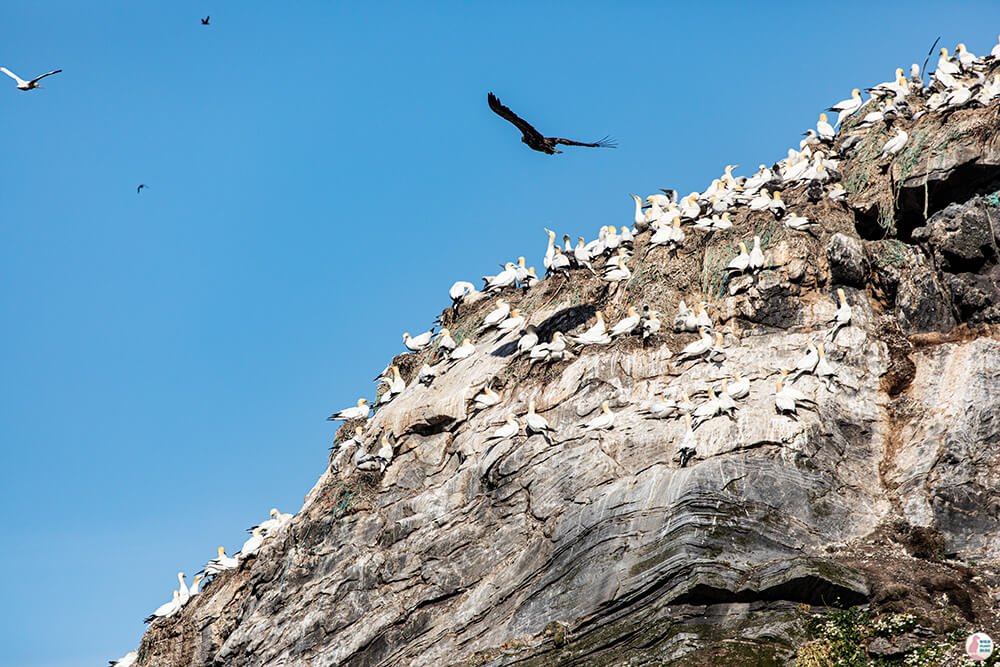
<point>251,546</point>
<point>183,594</point>
<point>521,271</point>
<point>689,206</point>
<point>727,405</point>
<point>873,117</point>
<point>395,386</point>
<point>419,343</point>
<point>627,324</point>
<point>28,85</point>
<point>786,399</point>
<point>165,609</point>
<point>195,585</point>
<point>127,660</point>
<point>777,206</point>
<point>843,315</point>
<point>595,335</point>
<point>560,262</point>
<point>837,193</point>
<point>445,341</point>
<point>761,202</point>
<point>466,349</point>
<point>684,319</point>
<point>385,453</point>
<point>685,406</point>
<point>363,460</point>
<point>535,423</point>
<point>847,107</point>
<point>358,412</point>
<point>515,321</point>
<point>945,64</point>
<point>740,388</point>
<point>616,271</point>
<point>718,352</point>
<point>799,223</point>
<point>807,363</point>
<point>824,371</point>
<point>460,291</point>
<point>605,420</point>
<point>556,350</point>
<point>531,279</point>
<point>611,239</point>
<point>965,57</point>
<point>220,563</point>
<point>550,251</point>
<point>567,245</point>
<point>706,410</point>
<point>505,278</point>
<point>824,129</point>
<point>756,256</point>
<point>702,319</point>
<point>509,429</point>
<point>582,255</point>
<point>698,348</point>
<point>496,316</point>
<point>741,262</point>
<point>650,324</point>
<point>486,399</point>
<point>640,221</point>
<point>722,222</point>
<point>266,527</point>
<point>426,374</point>
<point>627,238</point>
<point>959,96</point>
<point>662,409</point>
<point>528,339</point>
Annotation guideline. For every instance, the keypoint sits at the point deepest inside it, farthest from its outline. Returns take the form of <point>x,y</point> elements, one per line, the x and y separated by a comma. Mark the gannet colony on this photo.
<point>726,414</point>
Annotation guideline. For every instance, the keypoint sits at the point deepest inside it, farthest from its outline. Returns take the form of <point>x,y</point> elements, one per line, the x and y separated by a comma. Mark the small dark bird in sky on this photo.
<point>139,189</point>
<point>204,21</point>
<point>533,138</point>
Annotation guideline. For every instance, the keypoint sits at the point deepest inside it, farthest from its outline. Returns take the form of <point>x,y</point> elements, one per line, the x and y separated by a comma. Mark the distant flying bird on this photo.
<point>533,137</point>
<point>141,186</point>
<point>204,21</point>
<point>28,85</point>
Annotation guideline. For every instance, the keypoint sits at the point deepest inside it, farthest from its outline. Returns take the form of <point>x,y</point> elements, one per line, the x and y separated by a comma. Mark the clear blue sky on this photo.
<point>319,174</point>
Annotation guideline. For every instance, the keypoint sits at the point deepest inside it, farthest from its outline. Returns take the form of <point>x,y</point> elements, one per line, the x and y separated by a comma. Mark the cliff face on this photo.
<point>599,548</point>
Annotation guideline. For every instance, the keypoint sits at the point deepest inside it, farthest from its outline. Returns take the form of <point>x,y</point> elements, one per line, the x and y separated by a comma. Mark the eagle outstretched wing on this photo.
<point>606,142</point>
<point>521,124</point>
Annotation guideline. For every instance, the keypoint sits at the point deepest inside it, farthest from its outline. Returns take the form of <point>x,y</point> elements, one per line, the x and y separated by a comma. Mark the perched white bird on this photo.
<point>640,221</point>
<point>702,318</point>
<point>485,399</point>
<point>515,321</point>
<point>824,129</point>
<point>496,316</point>
<point>756,256</point>
<point>698,348</point>
<point>358,412</point>
<point>195,585</point>
<point>419,343</point>
<point>777,205</point>
<point>847,107</point>
<point>741,262</point>
<point>509,429</point>
<point>946,65</point>
<point>220,563</point>
<point>528,339</point>
<point>718,351</point>
<point>426,374</point>
<point>687,449</point>
<point>706,410</point>
<point>28,85</point>
<point>460,292</point>
<point>786,399</point>
<point>684,320</point>
<point>165,609</point>
<point>555,350</point>
<point>531,279</point>
<point>627,324</point>
<point>127,660</point>
<point>252,545</point>
<point>463,351</point>
<point>445,341</point>
<point>595,335</point>
<point>799,223</point>
<point>896,143</point>
<point>807,364</point>
<point>278,520</point>
<point>761,202</point>
<point>616,271</point>
<point>843,315</point>
<point>365,461</point>
<point>505,278</point>
<point>550,251</point>
<point>603,421</point>
<point>738,389</point>
<point>650,324</point>
<point>183,594</point>
<point>535,423</point>
<point>662,409</point>
<point>395,386</point>
<point>385,453</point>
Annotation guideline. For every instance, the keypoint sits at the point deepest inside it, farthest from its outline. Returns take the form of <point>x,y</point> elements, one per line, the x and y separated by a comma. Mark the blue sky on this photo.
<point>318,177</point>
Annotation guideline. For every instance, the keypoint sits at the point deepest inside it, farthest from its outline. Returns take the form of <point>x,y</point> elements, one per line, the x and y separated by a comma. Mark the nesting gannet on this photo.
<point>466,349</point>
<point>603,421</point>
<point>824,371</point>
<point>786,399</point>
<point>777,205</point>
<point>384,454</point>
<point>251,546</point>
<point>687,449</point>
<point>220,563</point>
<point>807,363</point>
<point>640,221</point>
<point>418,343</point>
<point>505,278</point>
<point>28,85</point>
<point>496,316</point>
<point>520,271</point>
<point>740,388</point>
<point>837,193</point>
<point>445,341</point>
<point>486,399</point>
<point>183,594</point>
<point>824,129</point>
<point>718,352</point>
<point>460,291</point>
<point>741,262</point>
<point>556,350</point>
<point>685,406</point>
<point>394,386</point>
<point>945,64</point>
<point>595,335</point>
<point>847,107</point>
<point>627,324</point>
<point>278,519</point>
<point>581,255</point>
<point>761,202</point>
<point>722,223</point>
<point>616,271</point>
<point>756,256</point>
<point>706,410</point>
<point>550,251</point>
<point>127,660</point>
<point>531,279</point>
<point>684,319</point>
<point>509,429</point>
<point>650,324</point>
<point>662,409</point>
<point>966,58</point>
<point>702,318</point>
<point>363,460</point>
<point>528,339</point>
<point>799,223</point>
<point>627,238</point>
<point>165,609</point>
<point>515,321</point>
<point>194,589</point>
<point>843,315</point>
<point>698,348</point>
<point>689,206</point>
<point>535,423</point>
<point>358,412</point>
<point>560,262</point>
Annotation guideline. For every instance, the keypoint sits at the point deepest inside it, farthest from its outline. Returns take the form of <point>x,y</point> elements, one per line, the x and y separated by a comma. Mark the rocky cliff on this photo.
<point>599,547</point>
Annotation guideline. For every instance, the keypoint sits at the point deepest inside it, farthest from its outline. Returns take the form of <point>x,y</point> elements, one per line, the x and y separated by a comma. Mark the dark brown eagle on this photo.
<point>533,138</point>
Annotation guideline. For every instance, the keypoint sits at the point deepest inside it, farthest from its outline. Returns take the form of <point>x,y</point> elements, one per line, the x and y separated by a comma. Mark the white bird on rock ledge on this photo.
<point>358,412</point>
<point>418,343</point>
<point>165,609</point>
<point>535,423</point>
<point>603,421</point>
<point>220,563</point>
<point>509,429</point>
<point>127,660</point>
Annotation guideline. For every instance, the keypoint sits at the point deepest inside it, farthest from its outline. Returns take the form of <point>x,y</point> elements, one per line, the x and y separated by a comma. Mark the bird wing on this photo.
<point>505,113</point>
<point>606,142</point>
<point>12,75</point>
<point>39,78</point>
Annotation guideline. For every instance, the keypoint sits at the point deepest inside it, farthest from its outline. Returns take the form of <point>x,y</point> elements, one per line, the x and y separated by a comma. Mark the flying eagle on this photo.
<point>533,138</point>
